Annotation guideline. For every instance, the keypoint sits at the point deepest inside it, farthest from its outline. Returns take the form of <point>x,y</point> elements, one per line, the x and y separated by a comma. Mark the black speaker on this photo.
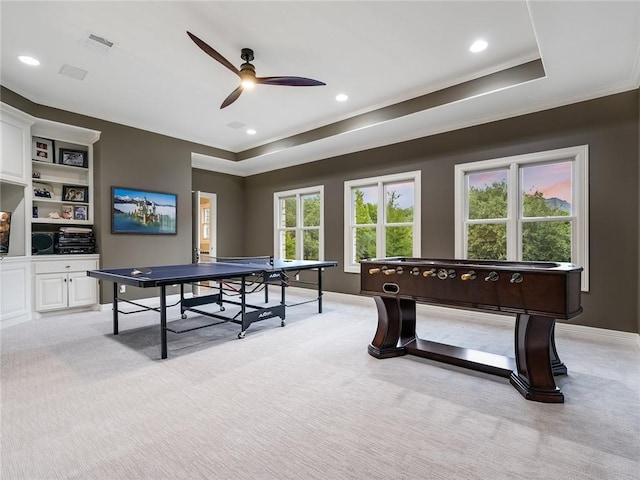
<point>42,243</point>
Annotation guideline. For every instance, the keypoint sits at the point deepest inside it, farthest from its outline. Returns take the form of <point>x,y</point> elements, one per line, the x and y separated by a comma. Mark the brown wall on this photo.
<point>608,125</point>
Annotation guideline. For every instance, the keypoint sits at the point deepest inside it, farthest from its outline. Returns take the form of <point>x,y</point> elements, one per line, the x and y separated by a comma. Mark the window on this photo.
<point>525,208</point>
<point>299,224</point>
<point>382,218</point>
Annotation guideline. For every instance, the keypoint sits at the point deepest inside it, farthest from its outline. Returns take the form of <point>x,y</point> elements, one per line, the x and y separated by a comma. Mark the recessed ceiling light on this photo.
<point>28,60</point>
<point>341,97</point>
<point>478,46</point>
<point>251,131</point>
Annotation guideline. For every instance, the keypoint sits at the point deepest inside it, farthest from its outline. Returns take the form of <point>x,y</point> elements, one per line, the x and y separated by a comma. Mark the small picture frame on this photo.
<point>73,158</point>
<point>42,150</point>
<point>42,190</point>
<point>75,193</point>
<point>80,212</point>
<point>67,212</point>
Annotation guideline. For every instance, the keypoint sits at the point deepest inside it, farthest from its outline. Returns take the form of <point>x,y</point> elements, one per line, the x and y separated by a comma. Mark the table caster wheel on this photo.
<point>221,308</point>
<point>283,323</point>
<point>183,316</point>
<point>241,335</point>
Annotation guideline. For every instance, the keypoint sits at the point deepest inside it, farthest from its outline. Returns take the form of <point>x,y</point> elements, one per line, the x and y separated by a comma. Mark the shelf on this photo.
<point>57,200</point>
<point>61,181</point>
<point>57,174</point>
<point>60,221</point>
<point>57,166</point>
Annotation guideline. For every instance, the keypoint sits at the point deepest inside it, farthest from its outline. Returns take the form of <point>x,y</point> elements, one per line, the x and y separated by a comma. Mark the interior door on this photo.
<point>203,230</point>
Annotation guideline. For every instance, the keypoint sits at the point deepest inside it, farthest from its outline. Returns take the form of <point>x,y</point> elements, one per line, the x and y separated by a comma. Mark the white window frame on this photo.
<point>299,228</point>
<point>579,155</point>
<point>349,215</point>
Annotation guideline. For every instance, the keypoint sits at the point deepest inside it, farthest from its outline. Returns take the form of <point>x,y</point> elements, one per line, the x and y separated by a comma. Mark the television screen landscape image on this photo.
<point>143,212</point>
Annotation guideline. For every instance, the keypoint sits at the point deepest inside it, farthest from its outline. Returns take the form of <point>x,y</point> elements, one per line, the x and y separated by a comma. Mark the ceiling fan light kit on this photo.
<point>247,72</point>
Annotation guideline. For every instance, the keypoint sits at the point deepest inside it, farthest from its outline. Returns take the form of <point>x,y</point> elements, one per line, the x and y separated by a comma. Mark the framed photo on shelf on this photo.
<point>42,149</point>
<point>143,212</point>
<point>67,212</point>
<point>42,190</point>
<point>74,158</point>
<point>75,193</point>
<point>80,212</point>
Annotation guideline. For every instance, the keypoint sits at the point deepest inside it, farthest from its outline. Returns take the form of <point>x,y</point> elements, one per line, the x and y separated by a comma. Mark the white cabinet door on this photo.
<point>51,291</point>
<point>83,290</point>
<point>15,291</point>
<point>16,141</point>
<point>61,282</point>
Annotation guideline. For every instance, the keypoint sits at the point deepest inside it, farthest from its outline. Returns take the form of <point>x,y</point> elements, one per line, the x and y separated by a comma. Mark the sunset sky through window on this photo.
<point>553,180</point>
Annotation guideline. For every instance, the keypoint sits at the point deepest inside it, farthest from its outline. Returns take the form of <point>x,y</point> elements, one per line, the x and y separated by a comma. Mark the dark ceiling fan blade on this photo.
<point>213,54</point>
<point>289,81</point>
<point>233,96</point>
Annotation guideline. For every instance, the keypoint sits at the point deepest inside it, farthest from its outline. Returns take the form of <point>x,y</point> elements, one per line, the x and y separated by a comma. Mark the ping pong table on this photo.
<point>235,278</point>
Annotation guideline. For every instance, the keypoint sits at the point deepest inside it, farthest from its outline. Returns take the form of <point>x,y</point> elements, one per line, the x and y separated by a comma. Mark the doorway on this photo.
<point>204,226</point>
<point>204,230</point>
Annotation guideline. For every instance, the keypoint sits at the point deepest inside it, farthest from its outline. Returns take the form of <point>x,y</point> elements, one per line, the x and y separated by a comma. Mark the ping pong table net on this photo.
<point>258,260</point>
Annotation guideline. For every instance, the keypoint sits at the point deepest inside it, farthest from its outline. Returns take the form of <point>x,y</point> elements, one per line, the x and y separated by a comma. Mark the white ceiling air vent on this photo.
<point>98,42</point>
<point>235,125</point>
<point>73,72</point>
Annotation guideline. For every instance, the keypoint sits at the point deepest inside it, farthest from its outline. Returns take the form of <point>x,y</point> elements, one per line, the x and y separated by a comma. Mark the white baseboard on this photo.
<point>17,320</point>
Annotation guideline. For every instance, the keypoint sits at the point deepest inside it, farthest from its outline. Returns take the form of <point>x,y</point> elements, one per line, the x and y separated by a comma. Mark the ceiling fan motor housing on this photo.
<point>248,73</point>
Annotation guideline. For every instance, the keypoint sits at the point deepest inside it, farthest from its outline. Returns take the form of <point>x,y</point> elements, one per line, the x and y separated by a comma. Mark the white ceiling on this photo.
<point>380,53</point>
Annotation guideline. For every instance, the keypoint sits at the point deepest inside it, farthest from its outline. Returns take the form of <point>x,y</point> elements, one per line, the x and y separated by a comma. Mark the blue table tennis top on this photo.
<point>194,272</point>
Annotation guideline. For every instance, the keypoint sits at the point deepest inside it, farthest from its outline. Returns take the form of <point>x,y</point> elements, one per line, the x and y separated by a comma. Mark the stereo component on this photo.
<point>42,243</point>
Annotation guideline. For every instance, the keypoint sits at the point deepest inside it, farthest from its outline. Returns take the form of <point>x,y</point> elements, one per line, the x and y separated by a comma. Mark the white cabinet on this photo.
<point>42,283</point>
<point>61,283</point>
<point>15,294</point>
<point>15,180</point>
<point>15,171</point>
<point>16,142</point>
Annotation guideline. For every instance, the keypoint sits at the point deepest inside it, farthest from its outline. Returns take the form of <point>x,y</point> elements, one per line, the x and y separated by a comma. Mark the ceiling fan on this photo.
<point>247,72</point>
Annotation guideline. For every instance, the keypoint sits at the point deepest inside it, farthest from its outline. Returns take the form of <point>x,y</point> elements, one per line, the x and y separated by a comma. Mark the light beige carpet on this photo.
<point>302,402</point>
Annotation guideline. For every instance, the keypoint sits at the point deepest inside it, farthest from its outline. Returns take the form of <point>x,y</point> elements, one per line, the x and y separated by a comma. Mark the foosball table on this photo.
<point>537,293</point>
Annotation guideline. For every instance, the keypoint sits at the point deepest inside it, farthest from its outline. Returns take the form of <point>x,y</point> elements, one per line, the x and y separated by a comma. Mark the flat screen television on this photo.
<point>143,212</point>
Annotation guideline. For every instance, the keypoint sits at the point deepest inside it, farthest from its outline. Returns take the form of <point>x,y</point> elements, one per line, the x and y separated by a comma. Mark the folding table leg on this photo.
<point>319,290</point>
<point>115,308</point>
<point>163,320</point>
